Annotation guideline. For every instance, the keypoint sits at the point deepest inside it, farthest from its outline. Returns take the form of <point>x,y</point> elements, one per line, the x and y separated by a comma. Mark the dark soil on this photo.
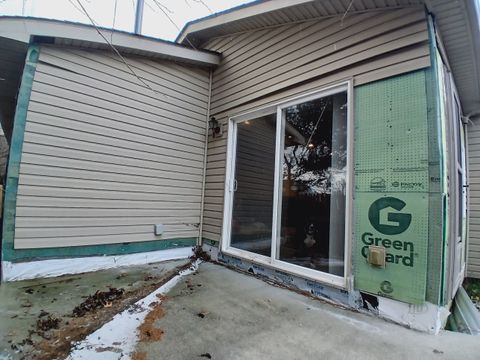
<point>51,322</point>
<point>98,300</point>
<point>199,253</point>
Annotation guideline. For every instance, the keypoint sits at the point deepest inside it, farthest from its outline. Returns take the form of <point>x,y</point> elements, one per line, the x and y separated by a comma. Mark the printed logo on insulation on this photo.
<point>386,217</point>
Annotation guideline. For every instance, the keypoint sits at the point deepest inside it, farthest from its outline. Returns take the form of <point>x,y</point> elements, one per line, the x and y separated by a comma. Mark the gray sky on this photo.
<point>155,22</point>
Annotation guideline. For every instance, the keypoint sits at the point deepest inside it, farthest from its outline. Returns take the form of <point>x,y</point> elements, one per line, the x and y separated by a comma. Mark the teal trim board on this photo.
<point>10,202</point>
<point>19,255</point>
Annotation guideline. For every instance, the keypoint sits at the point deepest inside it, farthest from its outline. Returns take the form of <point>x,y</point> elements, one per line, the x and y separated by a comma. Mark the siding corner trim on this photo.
<point>13,169</point>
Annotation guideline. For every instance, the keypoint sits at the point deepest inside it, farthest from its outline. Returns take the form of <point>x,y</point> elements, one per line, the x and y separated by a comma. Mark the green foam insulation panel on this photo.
<point>391,207</point>
<point>401,200</point>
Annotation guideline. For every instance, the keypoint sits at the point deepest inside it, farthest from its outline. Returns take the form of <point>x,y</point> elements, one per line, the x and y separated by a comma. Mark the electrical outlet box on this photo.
<point>376,256</point>
<point>158,229</point>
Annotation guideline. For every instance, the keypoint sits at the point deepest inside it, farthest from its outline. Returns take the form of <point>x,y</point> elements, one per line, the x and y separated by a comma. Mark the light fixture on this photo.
<point>213,126</point>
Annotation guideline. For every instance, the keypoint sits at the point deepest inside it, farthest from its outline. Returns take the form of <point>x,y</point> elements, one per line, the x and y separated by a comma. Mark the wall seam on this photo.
<point>202,201</point>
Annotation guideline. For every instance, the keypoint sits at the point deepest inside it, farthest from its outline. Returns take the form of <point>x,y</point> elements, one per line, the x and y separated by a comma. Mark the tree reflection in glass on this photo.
<point>314,184</point>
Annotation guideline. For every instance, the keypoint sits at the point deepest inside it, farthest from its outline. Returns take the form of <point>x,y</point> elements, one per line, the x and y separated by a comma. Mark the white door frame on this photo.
<point>272,261</point>
<point>459,241</point>
<point>455,131</point>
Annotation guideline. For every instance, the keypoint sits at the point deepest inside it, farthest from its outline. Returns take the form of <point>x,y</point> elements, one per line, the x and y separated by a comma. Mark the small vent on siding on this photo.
<point>36,39</point>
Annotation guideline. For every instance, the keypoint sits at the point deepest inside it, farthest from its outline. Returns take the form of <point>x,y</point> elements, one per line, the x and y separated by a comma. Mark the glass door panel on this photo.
<point>312,229</point>
<point>252,208</point>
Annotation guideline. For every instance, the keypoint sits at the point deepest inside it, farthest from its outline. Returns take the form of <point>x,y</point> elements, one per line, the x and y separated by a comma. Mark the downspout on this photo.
<point>139,17</point>
<point>202,202</point>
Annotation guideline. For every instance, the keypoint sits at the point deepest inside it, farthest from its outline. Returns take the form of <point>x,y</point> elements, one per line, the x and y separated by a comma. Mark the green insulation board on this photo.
<point>391,204</point>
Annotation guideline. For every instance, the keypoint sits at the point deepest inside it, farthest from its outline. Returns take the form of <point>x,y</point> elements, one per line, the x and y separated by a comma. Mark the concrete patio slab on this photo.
<point>23,303</point>
<point>218,313</point>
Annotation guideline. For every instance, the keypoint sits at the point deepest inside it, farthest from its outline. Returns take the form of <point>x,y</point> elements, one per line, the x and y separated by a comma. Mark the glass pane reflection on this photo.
<point>254,173</point>
<point>314,184</point>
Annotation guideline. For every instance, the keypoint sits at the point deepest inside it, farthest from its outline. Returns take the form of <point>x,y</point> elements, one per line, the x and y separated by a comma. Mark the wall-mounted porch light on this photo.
<point>214,126</point>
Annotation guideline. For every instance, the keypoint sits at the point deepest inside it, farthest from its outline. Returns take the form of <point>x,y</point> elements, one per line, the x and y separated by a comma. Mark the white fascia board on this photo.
<point>237,14</point>
<point>21,29</point>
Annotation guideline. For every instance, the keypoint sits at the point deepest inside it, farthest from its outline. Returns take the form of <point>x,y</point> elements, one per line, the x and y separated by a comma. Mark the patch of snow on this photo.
<point>117,338</point>
<point>57,267</point>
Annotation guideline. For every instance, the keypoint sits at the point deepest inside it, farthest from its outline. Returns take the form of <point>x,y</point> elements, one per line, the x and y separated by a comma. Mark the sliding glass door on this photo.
<point>288,186</point>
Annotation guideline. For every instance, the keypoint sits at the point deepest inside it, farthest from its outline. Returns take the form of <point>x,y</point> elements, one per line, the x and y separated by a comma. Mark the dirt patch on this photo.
<point>98,300</point>
<point>95,311</point>
<point>108,348</point>
<point>147,331</point>
<point>139,355</point>
<point>51,322</point>
<point>199,253</point>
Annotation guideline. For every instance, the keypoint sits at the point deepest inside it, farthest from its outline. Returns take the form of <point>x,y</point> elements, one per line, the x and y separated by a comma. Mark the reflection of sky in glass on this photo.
<point>302,132</point>
<point>315,182</point>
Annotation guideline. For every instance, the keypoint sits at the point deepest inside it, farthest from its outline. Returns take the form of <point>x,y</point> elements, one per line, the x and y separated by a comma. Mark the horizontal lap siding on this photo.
<point>270,65</point>
<point>254,174</point>
<point>473,259</point>
<point>105,158</point>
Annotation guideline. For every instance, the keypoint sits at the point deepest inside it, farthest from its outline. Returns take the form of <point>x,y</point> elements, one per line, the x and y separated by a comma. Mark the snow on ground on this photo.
<point>117,338</point>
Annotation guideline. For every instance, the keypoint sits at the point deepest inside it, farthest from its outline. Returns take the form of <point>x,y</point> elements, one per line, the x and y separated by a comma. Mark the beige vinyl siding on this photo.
<point>254,169</point>
<point>263,67</point>
<point>105,158</point>
<point>473,244</point>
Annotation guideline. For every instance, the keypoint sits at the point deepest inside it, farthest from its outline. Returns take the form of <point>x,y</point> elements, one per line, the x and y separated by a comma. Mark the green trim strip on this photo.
<point>10,202</point>
<point>440,88</point>
<point>435,232</point>
<point>20,255</point>
<point>437,257</point>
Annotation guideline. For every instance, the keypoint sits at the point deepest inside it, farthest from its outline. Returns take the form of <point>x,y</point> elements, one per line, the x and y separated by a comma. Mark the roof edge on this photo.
<point>23,28</point>
<point>236,13</point>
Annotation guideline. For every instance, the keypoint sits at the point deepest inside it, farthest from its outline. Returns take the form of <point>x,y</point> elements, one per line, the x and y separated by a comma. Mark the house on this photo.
<point>99,157</point>
<point>319,144</point>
